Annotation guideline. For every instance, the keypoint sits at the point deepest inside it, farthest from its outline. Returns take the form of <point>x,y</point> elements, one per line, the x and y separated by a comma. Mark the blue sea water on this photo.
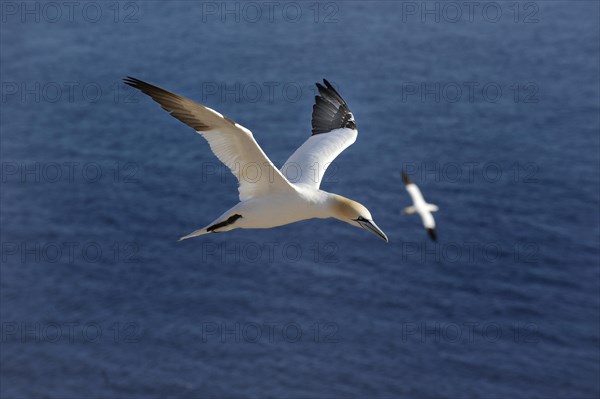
<point>494,111</point>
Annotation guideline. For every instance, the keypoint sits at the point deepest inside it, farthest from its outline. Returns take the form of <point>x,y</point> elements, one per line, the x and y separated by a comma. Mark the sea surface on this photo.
<point>493,110</point>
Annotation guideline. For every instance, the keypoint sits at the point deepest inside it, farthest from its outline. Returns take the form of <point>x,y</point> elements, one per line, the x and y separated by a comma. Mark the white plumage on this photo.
<point>310,161</point>
<point>420,206</point>
<point>270,197</point>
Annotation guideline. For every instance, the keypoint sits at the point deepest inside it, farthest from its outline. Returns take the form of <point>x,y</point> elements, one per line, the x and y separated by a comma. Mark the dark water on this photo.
<point>100,300</point>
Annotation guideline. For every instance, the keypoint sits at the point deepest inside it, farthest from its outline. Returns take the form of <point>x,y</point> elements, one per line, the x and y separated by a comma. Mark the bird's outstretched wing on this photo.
<point>232,143</point>
<point>406,178</point>
<point>333,130</point>
<point>415,195</point>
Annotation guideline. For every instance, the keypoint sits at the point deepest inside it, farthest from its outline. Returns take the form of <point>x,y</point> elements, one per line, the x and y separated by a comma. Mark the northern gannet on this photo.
<point>420,206</point>
<point>270,197</point>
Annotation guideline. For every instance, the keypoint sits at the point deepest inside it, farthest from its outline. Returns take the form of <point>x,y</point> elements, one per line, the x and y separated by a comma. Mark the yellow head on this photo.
<point>356,214</point>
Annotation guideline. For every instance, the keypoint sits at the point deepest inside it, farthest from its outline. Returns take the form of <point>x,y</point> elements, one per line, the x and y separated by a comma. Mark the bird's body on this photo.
<point>270,197</point>
<point>420,206</point>
<point>260,213</point>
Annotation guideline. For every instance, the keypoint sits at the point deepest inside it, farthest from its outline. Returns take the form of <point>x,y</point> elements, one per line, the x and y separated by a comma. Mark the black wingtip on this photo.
<point>129,80</point>
<point>330,111</point>
<point>406,178</point>
<point>432,234</point>
<point>135,83</point>
<point>138,83</point>
<point>177,106</point>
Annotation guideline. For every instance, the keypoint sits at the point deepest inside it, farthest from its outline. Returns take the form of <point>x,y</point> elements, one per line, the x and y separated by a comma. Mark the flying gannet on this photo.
<point>270,197</point>
<point>420,206</point>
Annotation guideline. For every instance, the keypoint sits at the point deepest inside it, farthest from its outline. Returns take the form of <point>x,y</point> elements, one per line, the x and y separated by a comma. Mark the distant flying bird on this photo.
<point>270,197</point>
<point>420,206</point>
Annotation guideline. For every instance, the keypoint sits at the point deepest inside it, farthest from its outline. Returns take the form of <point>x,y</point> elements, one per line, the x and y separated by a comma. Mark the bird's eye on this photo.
<point>360,219</point>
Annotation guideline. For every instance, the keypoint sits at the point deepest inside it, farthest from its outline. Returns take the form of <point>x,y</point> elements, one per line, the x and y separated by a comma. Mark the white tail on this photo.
<point>195,234</point>
<point>433,208</point>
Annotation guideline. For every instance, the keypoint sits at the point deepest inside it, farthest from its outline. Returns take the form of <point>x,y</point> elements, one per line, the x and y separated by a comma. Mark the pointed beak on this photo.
<point>372,227</point>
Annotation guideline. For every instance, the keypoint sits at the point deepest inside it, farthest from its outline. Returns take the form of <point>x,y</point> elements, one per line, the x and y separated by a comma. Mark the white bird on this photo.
<point>270,197</point>
<point>420,206</point>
